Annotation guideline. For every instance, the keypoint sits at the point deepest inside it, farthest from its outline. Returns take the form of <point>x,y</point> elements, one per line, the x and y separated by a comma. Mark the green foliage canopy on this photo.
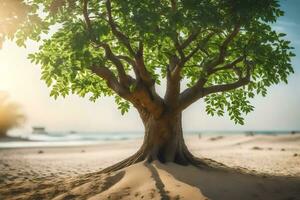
<point>227,47</point>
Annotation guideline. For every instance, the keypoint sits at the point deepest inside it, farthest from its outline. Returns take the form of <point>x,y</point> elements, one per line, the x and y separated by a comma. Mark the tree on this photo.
<point>13,14</point>
<point>226,50</point>
<point>10,114</point>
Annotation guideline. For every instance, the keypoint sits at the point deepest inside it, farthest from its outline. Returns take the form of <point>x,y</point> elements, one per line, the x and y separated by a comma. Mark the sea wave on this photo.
<point>65,139</point>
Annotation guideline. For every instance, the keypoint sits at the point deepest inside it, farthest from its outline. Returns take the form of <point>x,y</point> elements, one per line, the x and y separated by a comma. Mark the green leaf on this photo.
<point>72,48</point>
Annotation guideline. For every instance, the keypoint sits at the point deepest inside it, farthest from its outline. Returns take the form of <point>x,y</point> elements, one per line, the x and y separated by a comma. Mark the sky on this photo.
<point>280,110</point>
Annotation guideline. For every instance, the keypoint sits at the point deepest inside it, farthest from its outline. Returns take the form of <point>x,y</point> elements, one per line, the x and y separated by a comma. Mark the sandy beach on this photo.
<point>261,167</point>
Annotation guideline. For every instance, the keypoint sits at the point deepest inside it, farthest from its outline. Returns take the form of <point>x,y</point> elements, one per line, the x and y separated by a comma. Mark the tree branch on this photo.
<point>226,87</point>
<point>198,91</point>
<point>143,73</point>
<point>190,95</point>
<point>124,78</point>
<point>190,39</point>
<point>120,36</point>
<point>198,47</point>
<point>140,97</point>
<point>173,5</point>
<point>133,64</point>
<point>111,80</point>
<point>180,47</point>
<point>127,59</point>
<point>173,81</point>
<point>109,54</point>
<point>86,15</point>
<point>224,46</point>
<point>143,95</point>
<point>175,66</point>
<point>226,67</point>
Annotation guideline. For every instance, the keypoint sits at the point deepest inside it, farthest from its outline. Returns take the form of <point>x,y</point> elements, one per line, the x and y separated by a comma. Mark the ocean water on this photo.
<point>53,139</point>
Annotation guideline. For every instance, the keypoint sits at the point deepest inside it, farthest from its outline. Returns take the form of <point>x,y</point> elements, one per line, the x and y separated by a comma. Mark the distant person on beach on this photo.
<point>199,135</point>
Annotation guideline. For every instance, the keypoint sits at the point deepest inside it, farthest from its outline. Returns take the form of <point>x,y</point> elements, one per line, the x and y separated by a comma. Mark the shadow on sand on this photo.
<point>230,184</point>
<point>158,182</point>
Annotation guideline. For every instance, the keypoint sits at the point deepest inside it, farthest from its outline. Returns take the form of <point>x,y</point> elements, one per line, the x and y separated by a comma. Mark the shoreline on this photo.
<point>25,142</point>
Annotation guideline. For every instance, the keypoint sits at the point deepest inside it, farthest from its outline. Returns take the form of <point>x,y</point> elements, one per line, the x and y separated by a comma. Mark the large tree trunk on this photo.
<point>163,141</point>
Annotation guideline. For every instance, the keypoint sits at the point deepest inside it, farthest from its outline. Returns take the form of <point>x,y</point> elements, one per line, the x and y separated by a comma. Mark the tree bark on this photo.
<point>163,141</point>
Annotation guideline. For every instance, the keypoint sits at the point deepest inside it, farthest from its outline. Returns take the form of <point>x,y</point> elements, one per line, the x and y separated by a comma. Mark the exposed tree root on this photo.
<point>184,157</point>
<point>135,158</point>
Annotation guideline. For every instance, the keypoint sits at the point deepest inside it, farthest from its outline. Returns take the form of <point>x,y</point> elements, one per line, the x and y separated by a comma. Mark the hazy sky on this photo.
<point>280,110</point>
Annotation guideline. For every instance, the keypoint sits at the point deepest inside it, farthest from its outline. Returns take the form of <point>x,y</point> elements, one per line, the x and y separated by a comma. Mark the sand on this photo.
<point>270,166</point>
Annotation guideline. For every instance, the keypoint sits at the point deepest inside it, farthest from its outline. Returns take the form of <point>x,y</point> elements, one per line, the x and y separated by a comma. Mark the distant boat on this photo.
<point>39,130</point>
<point>72,132</point>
